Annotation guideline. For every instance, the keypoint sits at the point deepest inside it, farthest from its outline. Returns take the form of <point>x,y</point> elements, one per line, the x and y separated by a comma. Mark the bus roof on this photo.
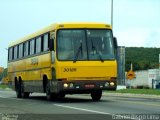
<point>55,26</point>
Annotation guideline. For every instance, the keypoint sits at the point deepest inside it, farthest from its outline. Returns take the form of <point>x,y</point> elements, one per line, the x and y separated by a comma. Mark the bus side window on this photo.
<point>10,55</point>
<point>20,51</point>
<point>45,42</point>
<point>26,48</point>
<point>32,46</point>
<point>38,44</point>
<point>15,52</point>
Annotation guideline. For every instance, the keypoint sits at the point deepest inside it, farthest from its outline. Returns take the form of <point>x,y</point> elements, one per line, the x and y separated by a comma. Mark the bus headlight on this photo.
<point>112,84</point>
<point>65,85</point>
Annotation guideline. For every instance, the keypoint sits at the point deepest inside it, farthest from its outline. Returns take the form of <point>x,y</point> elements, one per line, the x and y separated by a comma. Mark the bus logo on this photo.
<point>34,61</point>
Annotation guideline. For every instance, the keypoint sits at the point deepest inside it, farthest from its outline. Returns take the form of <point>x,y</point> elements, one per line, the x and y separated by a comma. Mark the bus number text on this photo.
<point>70,70</point>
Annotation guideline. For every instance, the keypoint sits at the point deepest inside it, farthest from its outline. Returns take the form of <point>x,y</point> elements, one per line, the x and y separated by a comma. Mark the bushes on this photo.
<point>139,87</point>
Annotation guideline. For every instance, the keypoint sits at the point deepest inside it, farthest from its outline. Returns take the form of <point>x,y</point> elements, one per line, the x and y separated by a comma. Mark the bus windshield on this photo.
<point>85,44</point>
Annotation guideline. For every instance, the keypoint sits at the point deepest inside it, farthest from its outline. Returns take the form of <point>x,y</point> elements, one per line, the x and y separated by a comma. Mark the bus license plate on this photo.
<point>89,86</point>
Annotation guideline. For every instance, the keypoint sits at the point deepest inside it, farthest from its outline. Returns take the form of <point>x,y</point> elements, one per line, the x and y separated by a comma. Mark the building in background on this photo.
<point>146,79</point>
<point>143,78</point>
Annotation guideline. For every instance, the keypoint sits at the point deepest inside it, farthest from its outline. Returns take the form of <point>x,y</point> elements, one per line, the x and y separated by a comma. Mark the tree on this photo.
<point>142,58</point>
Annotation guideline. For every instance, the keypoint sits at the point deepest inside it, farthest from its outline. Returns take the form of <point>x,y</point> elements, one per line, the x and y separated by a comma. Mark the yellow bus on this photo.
<point>64,58</point>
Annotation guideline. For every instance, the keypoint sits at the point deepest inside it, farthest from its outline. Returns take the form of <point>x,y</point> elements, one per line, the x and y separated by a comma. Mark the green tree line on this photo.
<point>3,74</point>
<point>142,58</point>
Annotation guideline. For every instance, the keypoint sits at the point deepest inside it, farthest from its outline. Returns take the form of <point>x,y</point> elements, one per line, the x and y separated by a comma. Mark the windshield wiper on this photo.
<point>94,48</point>
<point>77,54</point>
<point>100,57</point>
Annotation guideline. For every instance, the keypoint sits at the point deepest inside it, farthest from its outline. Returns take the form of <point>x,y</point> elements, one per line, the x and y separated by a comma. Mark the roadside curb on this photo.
<point>132,95</point>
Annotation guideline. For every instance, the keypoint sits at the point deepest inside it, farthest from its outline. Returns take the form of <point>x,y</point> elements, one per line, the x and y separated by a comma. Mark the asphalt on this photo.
<point>78,107</point>
<point>113,94</point>
<point>147,96</point>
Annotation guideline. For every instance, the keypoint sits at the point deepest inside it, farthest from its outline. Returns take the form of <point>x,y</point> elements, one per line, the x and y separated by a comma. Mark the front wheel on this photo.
<point>96,95</point>
<point>61,95</point>
<point>49,94</point>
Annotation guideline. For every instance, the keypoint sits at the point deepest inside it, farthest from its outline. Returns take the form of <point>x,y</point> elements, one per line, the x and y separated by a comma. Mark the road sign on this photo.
<point>130,75</point>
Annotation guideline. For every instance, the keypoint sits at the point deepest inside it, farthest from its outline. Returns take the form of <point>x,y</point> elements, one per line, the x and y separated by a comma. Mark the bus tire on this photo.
<point>61,95</point>
<point>24,94</point>
<point>96,95</point>
<point>18,90</point>
<point>49,95</point>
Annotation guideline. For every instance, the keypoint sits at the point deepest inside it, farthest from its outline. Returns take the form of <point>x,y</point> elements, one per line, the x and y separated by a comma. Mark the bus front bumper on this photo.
<point>76,86</point>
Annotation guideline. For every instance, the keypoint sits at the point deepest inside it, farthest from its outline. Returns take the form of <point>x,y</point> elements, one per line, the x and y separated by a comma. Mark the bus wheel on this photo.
<point>49,95</point>
<point>24,94</point>
<point>61,95</point>
<point>18,90</point>
<point>96,95</point>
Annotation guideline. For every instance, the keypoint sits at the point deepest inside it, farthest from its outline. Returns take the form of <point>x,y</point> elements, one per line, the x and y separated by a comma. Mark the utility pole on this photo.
<point>112,14</point>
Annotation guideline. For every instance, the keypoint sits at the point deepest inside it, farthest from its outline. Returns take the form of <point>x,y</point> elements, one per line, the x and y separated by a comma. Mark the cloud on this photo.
<point>153,39</point>
<point>139,37</point>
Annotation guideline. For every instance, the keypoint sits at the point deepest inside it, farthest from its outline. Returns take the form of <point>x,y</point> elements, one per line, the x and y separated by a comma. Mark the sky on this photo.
<point>135,22</point>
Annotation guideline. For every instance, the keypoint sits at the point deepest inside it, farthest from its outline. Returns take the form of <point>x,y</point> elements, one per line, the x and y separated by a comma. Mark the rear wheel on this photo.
<point>96,95</point>
<point>24,94</point>
<point>18,90</point>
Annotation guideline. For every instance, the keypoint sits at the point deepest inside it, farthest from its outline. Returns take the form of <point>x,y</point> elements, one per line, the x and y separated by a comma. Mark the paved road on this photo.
<point>76,107</point>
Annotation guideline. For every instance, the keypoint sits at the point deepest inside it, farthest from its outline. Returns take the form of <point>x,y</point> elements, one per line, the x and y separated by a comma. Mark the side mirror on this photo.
<point>51,42</point>
<point>115,42</point>
<point>115,46</point>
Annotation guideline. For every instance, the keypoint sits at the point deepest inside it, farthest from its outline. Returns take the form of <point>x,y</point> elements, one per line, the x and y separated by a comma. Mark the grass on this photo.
<point>138,91</point>
<point>3,86</point>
